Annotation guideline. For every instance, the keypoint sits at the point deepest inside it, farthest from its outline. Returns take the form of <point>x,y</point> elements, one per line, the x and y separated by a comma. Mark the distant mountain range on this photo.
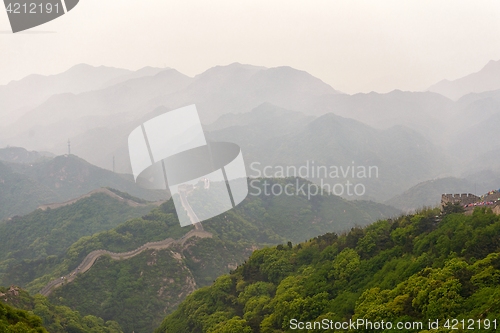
<point>414,136</point>
<point>154,282</point>
<point>49,233</point>
<point>24,187</point>
<point>422,144</point>
<point>272,136</point>
<point>487,79</point>
<point>428,193</point>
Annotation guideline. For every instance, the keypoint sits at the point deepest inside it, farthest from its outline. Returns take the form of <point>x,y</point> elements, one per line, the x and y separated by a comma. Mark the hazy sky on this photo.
<point>355,46</point>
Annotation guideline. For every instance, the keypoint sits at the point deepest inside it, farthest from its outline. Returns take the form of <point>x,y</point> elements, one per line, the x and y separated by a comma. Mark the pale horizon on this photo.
<point>354,46</point>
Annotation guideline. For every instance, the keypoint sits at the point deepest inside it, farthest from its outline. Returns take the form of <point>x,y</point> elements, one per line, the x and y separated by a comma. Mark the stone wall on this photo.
<point>463,199</point>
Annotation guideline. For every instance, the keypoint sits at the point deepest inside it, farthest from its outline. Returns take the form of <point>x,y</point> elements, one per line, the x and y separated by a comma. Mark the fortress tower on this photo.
<point>462,199</point>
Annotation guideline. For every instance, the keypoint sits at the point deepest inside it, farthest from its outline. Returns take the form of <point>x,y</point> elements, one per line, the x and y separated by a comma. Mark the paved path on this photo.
<point>191,214</point>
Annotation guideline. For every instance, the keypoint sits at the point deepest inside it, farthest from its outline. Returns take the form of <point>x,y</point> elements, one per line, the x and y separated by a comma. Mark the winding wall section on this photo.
<point>92,257</point>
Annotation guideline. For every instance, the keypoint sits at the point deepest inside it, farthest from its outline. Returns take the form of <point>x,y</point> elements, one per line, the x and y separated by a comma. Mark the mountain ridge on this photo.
<point>25,187</point>
<point>486,79</point>
<point>257,221</point>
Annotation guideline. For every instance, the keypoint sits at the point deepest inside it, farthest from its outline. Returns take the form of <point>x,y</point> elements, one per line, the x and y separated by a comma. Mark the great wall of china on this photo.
<point>92,257</point>
<point>463,199</point>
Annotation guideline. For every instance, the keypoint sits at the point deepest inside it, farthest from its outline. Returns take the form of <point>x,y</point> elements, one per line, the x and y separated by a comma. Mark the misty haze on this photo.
<point>250,167</point>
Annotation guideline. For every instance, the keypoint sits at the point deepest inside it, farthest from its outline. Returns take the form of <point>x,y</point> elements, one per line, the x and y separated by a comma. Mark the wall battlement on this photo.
<point>463,198</point>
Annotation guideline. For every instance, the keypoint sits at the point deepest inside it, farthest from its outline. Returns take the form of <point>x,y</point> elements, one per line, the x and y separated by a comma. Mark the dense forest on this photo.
<point>22,313</point>
<point>32,245</point>
<point>25,187</point>
<point>414,269</point>
<point>117,290</point>
<point>13,320</point>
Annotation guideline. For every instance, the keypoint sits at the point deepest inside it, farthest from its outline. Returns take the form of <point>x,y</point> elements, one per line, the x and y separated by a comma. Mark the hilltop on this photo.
<point>26,186</point>
<point>273,136</point>
<point>21,155</point>
<point>31,245</point>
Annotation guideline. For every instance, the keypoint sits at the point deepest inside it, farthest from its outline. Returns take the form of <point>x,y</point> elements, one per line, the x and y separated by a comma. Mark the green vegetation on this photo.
<point>138,292</point>
<point>127,196</point>
<point>30,246</point>
<point>22,313</point>
<point>20,194</point>
<point>413,268</point>
<point>70,177</point>
<point>273,219</point>
<point>24,187</point>
<point>450,208</point>
<point>159,224</point>
<point>18,321</point>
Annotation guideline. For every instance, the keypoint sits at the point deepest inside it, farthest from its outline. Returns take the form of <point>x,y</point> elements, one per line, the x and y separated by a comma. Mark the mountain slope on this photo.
<point>71,176</point>
<point>238,88</point>
<point>119,289</point>
<point>428,193</point>
<point>273,137</point>
<point>234,88</point>
<point>407,270</point>
<point>21,155</point>
<point>16,320</point>
<point>264,118</point>
<point>424,112</point>
<point>20,194</point>
<point>24,187</point>
<point>44,236</point>
<point>22,313</point>
<point>64,116</point>
<point>488,78</point>
<point>145,71</point>
<point>34,89</point>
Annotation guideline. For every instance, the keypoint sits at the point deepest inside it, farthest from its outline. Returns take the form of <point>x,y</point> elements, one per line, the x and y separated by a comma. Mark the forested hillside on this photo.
<point>13,320</point>
<point>33,244</point>
<point>26,186</point>
<point>138,292</point>
<point>21,155</point>
<point>414,268</point>
<point>22,313</point>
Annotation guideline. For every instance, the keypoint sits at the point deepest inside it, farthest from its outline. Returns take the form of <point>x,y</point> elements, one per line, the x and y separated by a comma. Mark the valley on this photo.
<point>84,248</point>
<point>200,253</point>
